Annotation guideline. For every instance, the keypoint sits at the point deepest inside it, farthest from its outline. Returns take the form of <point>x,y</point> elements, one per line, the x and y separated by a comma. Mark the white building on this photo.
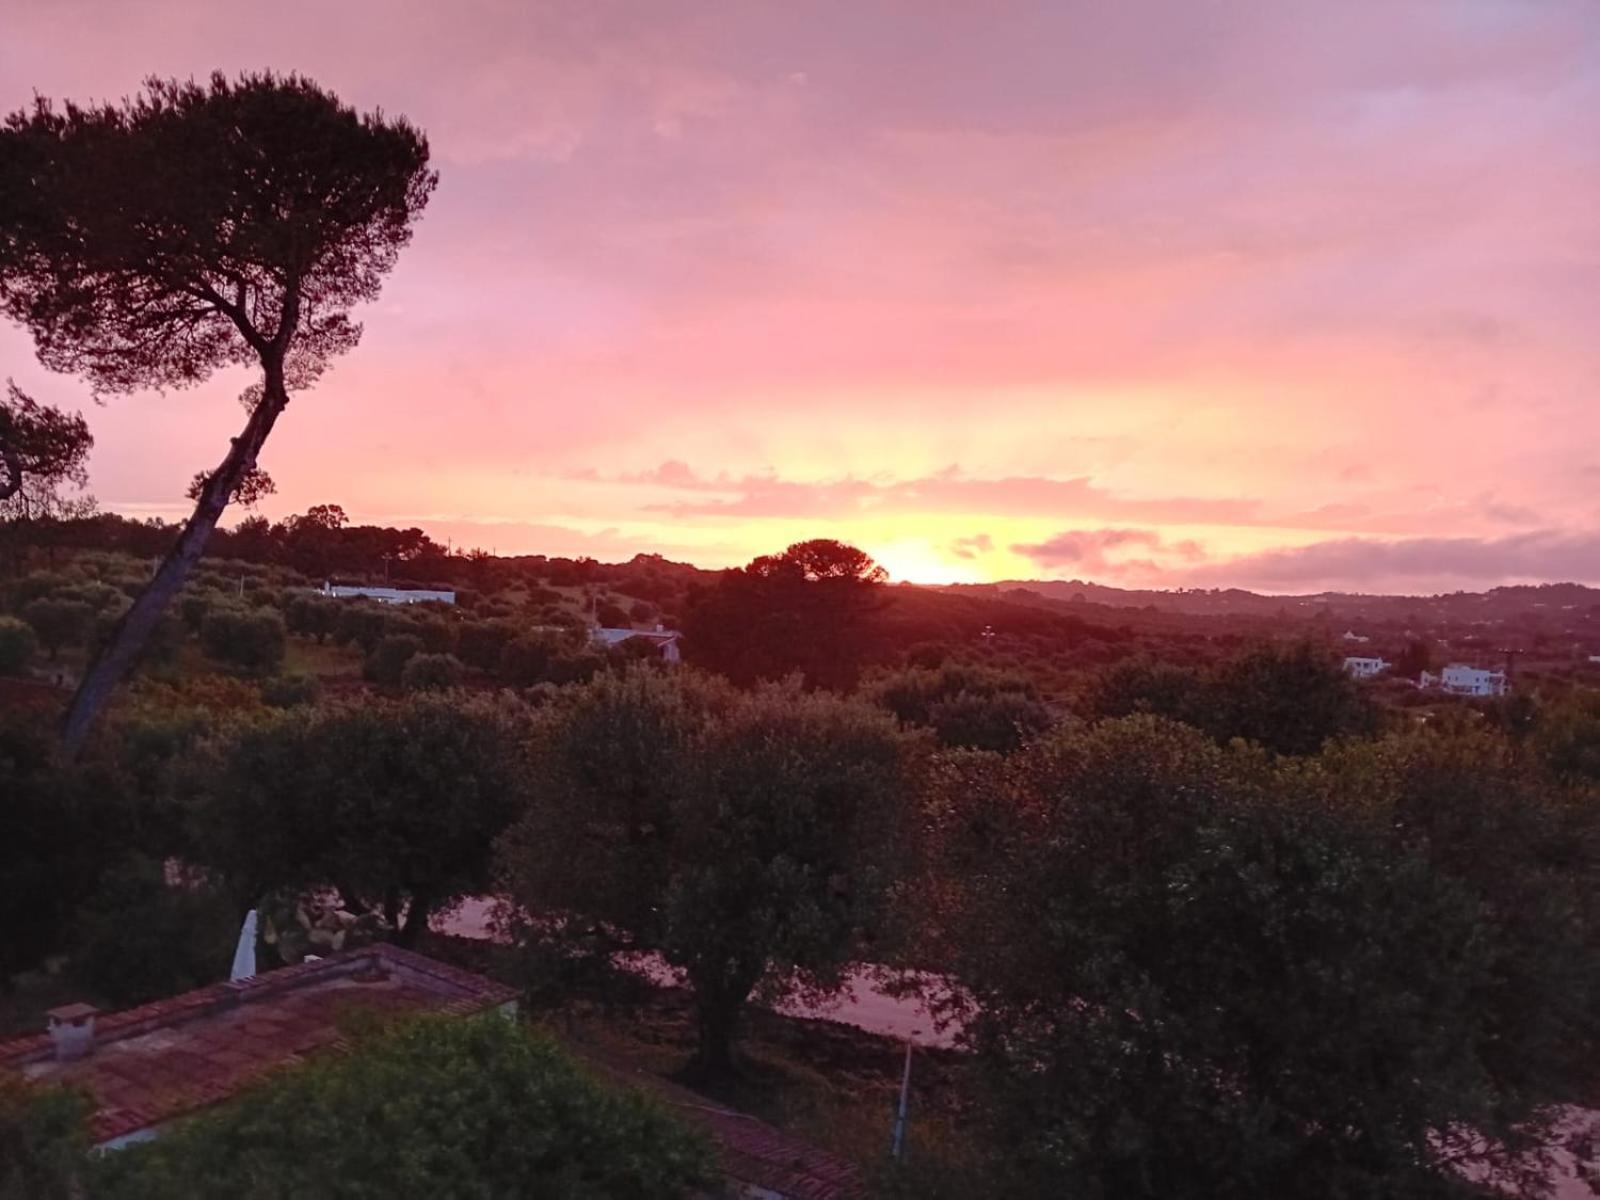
<point>384,595</point>
<point>1461,680</point>
<point>1350,635</point>
<point>1364,668</point>
<point>664,640</point>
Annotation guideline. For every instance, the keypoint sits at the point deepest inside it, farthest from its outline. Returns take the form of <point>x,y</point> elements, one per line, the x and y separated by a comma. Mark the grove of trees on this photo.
<point>1216,929</point>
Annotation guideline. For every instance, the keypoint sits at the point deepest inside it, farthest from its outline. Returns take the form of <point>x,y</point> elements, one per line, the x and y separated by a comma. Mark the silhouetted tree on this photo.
<point>59,622</point>
<point>1142,684</point>
<point>1198,971</point>
<point>751,838</point>
<point>1290,698</point>
<point>40,449</point>
<point>804,610</point>
<point>396,803</point>
<point>250,639</point>
<point>195,226</point>
<point>966,706</point>
<point>1416,658</point>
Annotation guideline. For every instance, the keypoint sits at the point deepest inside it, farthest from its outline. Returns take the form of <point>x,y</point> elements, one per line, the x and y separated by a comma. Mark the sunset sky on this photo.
<point>1278,294</point>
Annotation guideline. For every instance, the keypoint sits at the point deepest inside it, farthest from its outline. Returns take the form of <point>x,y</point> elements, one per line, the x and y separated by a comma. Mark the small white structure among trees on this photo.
<point>1461,680</point>
<point>388,595</point>
<point>1365,668</point>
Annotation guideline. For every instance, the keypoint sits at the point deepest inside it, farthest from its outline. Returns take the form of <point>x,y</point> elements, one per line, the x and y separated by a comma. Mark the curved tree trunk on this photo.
<point>418,910</point>
<point>719,1004</point>
<point>133,630</point>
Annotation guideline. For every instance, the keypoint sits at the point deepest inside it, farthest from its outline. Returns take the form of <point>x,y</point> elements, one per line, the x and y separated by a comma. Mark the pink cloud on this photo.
<point>1101,552</point>
<point>1302,266</point>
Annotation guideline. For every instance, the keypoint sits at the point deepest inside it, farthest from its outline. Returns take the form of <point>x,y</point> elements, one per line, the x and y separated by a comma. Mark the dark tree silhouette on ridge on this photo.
<point>195,226</point>
<point>806,610</point>
<point>40,448</point>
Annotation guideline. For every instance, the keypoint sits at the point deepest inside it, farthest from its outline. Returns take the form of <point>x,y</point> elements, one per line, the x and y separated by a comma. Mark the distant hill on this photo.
<point>1495,604</point>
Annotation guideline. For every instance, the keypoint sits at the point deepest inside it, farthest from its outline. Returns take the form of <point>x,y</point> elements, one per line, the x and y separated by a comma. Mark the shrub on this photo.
<point>42,1140</point>
<point>288,691</point>
<point>430,672</point>
<point>526,661</point>
<point>194,606</point>
<point>249,639</point>
<point>17,645</point>
<point>612,616</point>
<point>312,615</point>
<point>59,622</point>
<point>433,1106</point>
<point>480,643</point>
<point>389,658</point>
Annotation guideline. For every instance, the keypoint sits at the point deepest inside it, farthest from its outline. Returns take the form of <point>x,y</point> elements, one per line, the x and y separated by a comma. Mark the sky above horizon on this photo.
<point>1286,295</point>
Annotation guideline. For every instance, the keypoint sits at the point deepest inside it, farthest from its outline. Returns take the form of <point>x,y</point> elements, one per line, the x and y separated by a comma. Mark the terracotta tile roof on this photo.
<point>176,1056</point>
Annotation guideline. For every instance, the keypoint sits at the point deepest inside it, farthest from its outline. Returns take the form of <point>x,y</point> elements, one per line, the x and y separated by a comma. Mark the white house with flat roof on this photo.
<point>1461,680</point>
<point>1364,668</point>
<point>386,595</point>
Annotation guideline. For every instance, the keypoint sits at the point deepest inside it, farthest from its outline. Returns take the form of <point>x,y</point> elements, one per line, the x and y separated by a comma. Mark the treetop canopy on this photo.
<point>147,243</point>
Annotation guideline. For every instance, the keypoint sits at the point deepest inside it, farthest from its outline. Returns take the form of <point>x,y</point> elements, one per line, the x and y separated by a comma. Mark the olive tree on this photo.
<point>751,839</point>
<point>1192,970</point>
<point>397,804</point>
<point>192,227</point>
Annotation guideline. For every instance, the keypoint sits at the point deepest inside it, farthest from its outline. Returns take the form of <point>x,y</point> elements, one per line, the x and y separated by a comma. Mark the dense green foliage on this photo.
<point>749,837</point>
<point>42,1141</point>
<point>140,938</point>
<point>1278,942</point>
<point>1194,972</point>
<point>390,656</point>
<point>60,828</point>
<point>804,611</point>
<point>431,673</point>
<point>438,1107</point>
<point>17,645</point>
<point>967,707</point>
<point>250,639</point>
<point>59,621</point>
<point>397,803</point>
<point>1289,698</point>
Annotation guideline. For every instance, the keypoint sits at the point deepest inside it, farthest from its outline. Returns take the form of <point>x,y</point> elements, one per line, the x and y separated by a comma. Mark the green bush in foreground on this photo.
<point>435,1107</point>
<point>42,1140</point>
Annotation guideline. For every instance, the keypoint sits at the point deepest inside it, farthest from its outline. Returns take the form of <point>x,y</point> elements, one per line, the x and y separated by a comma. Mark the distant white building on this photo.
<point>1461,680</point>
<point>1350,635</point>
<point>1364,668</point>
<point>664,640</point>
<point>384,595</point>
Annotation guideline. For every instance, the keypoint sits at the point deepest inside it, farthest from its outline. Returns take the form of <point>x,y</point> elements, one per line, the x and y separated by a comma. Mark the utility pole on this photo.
<point>897,1142</point>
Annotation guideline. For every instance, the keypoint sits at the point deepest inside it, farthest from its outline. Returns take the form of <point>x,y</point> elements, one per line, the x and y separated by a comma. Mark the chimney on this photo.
<point>72,1030</point>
